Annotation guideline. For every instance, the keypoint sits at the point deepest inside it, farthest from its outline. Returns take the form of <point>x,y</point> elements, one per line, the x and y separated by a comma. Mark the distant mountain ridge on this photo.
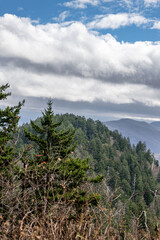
<point>156,124</point>
<point>138,131</point>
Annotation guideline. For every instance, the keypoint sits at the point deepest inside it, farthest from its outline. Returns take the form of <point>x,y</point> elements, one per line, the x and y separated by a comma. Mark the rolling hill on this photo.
<point>138,131</point>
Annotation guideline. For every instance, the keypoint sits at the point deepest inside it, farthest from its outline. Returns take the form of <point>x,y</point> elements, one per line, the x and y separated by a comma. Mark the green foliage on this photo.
<point>51,172</point>
<point>63,174</point>
<point>97,179</point>
<point>94,199</point>
<point>8,125</point>
<point>158,177</point>
<point>123,166</point>
<point>51,143</point>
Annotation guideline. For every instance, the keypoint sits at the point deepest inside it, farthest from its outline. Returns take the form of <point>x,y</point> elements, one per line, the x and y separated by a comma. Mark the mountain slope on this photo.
<point>138,131</point>
<point>156,125</point>
<point>124,167</point>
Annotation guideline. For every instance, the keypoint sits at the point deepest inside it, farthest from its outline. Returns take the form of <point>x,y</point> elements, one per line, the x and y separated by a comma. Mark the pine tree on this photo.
<point>52,142</point>
<point>8,124</point>
<point>57,175</point>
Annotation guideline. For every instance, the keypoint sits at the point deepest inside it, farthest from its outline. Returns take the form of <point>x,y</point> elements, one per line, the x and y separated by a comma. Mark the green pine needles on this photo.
<point>9,118</point>
<point>52,143</point>
<point>54,169</point>
<point>47,192</point>
<point>8,125</point>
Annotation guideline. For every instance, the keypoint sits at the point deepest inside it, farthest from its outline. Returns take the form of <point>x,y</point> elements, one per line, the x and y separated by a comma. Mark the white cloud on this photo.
<point>128,2</point>
<point>20,8</point>
<point>62,16</point>
<point>118,20</point>
<point>81,3</point>
<point>151,2</point>
<point>156,25</point>
<point>71,63</point>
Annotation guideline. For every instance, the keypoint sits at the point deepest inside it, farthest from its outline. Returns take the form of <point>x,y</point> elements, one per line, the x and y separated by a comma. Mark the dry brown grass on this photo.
<point>63,222</point>
<point>24,217</point>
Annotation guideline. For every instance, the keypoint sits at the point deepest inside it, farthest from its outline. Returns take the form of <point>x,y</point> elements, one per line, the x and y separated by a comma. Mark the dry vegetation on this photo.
<point>49,196</point>
<point>28,218</point>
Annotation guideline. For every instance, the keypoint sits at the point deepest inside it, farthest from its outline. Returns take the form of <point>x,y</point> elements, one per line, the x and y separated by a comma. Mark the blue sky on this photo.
<point>98,58</point>
<point>86,11</point>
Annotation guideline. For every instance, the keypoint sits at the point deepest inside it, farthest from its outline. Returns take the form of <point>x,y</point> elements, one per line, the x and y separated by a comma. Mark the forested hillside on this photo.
<point>127,169</point>
<point>138,131</point>
<point>66,177</point>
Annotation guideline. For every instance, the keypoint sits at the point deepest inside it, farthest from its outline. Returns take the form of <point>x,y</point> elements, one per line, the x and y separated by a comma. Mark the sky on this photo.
<point>95,58</point>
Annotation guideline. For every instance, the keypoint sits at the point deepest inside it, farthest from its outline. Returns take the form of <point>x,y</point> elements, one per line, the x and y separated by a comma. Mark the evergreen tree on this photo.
<point>57,174</point>
<point>8,124</point>
<point>52,142</point>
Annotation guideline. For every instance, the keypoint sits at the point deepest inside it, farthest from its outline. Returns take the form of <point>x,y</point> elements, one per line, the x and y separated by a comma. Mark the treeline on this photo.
<point>124,166</point>
<point>60,183</point>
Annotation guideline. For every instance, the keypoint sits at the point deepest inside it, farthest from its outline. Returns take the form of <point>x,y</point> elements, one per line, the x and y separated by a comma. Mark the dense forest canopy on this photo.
<point>124,166</point>
<point>56,162</point>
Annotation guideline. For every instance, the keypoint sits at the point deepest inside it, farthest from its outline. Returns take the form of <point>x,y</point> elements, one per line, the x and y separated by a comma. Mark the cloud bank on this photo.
<point>70,63</point>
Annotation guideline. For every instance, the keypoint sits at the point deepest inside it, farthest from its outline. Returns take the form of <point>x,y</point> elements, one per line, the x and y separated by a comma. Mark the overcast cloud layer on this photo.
<point>68,61</point>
